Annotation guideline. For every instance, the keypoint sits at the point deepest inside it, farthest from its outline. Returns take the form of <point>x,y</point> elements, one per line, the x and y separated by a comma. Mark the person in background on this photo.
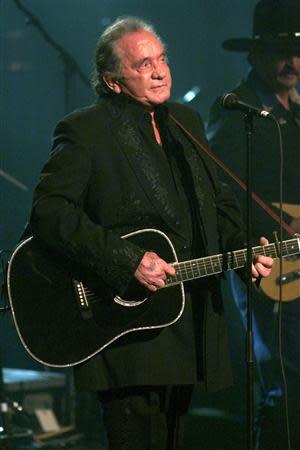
<point>123,165</point>
<point>271,85</point>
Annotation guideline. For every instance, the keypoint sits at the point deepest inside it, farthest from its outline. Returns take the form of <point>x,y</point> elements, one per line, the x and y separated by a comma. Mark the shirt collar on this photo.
<point>128,105</point>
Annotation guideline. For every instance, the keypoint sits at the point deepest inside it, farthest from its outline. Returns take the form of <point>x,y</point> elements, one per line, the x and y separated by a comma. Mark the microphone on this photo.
<point>231,101</point>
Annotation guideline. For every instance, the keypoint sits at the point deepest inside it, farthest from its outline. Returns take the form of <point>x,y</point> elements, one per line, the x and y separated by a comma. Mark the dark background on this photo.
<point>34,96</point>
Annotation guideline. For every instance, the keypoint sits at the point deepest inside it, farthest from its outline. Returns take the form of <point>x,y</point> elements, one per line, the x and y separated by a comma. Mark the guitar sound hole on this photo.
<point>135,291</point>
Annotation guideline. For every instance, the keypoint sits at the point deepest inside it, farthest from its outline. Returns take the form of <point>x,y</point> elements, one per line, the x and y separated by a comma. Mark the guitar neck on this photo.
<point>212,265</point>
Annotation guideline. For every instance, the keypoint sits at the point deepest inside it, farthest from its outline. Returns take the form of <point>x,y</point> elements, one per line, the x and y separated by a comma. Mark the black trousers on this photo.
<point>145,418</point>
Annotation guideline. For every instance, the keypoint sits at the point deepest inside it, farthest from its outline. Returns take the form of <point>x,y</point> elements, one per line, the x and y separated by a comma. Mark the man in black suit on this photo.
<point>274,57</point>
<point>122,165</point>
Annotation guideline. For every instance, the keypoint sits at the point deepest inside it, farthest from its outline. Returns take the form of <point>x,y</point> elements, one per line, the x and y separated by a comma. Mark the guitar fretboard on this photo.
<point>211,265</point>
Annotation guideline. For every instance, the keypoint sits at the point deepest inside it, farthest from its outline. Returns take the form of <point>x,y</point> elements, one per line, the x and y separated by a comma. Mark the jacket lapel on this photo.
<point>129,138</point>
<point>200,175</point>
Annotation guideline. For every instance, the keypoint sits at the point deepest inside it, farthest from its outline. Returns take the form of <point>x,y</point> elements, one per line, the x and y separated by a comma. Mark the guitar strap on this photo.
<point>226,169</point>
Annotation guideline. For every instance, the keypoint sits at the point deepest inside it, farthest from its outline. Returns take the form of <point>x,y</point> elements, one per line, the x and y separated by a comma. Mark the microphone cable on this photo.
<point>280,301</point>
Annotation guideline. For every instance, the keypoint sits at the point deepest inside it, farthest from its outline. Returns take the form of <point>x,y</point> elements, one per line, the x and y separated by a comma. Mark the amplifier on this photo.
<point>44,397</point>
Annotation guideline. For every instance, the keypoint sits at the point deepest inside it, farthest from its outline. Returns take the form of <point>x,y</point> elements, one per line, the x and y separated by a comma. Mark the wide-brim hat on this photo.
<point>275,23</point>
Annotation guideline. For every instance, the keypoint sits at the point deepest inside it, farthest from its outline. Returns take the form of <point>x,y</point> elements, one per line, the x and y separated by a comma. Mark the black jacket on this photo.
<point>99,184</point>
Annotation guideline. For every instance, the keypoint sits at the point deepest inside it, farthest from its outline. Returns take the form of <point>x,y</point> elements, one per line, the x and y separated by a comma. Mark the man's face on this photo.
<point>280,68</point>
<point>145,72</point>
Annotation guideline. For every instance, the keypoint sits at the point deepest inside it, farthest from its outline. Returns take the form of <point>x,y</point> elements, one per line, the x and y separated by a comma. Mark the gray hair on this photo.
<point>107,59</point>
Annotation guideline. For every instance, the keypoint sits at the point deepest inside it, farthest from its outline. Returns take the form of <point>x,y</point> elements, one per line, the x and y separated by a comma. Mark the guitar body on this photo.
<point>290,280</point>
<point>63,322</point>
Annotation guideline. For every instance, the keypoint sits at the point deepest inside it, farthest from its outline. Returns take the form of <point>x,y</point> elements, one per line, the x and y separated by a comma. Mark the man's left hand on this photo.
<point>262,265</point>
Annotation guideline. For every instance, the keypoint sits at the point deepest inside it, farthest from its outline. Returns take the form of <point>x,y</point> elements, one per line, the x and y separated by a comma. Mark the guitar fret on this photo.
<point>195,269</point>
<point>209,266</point>
<point>185,272</point>
<point>236,257</point>
<point>217,266</point>
<point>202,266</point>
<point>174,279</point>
<point>220,260</point>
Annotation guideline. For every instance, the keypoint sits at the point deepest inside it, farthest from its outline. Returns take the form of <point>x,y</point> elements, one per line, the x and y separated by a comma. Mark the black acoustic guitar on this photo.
<point>63,318</point>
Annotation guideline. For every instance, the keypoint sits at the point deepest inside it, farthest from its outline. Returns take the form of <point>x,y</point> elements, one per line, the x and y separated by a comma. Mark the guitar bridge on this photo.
<point>82,300</point>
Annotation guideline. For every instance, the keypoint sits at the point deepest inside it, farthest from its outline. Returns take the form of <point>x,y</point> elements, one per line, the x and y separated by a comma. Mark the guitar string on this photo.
<point>211,265</point>
<point>207,265</point>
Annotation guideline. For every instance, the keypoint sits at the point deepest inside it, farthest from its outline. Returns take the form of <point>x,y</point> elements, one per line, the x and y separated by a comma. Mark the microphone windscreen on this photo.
<point>229,100</point>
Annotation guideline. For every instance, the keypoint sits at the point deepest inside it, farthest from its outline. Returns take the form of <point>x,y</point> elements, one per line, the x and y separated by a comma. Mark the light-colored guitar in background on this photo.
<point>290,267</point>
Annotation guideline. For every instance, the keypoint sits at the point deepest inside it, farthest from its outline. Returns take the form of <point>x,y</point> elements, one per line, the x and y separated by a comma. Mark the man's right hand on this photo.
<point>153,271</point>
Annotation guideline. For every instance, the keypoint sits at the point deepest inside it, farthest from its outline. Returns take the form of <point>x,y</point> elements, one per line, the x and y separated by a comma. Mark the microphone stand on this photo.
<point>248,119</point>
